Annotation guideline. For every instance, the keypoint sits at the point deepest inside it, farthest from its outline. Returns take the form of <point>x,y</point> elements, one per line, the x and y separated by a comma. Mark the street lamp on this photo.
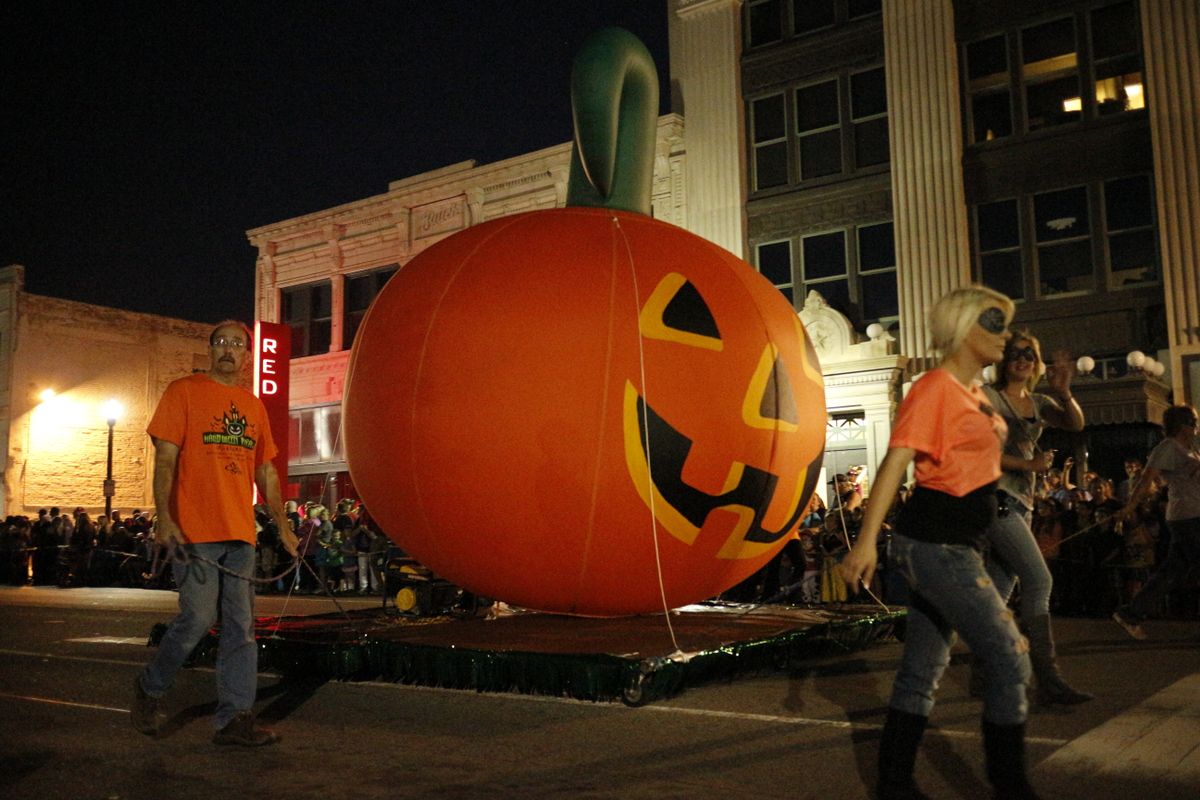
<point>112,410</point>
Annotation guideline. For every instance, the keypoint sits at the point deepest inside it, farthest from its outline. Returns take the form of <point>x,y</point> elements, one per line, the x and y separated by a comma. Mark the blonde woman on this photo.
<point>1013,553</point>
<point>948,430</point>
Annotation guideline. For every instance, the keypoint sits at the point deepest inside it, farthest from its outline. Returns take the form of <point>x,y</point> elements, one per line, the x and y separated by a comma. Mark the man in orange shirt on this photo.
<point>212,443</point>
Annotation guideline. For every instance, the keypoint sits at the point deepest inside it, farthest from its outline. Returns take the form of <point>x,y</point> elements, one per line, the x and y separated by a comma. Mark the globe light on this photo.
<point>1135,359</point>
<point>874,331</point>
<point>112,410</point>
<point>989,373</point>
<point>1085,365</point>
<point>1158,369</point>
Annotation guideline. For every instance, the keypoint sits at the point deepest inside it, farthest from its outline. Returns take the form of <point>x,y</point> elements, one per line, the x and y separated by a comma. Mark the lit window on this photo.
<point>1050,71</point>
<point>1116,48</point>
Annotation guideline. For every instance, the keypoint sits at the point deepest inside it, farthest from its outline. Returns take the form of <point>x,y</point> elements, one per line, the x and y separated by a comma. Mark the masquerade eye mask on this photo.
<point>992,320</point>
<point>1027,352</point>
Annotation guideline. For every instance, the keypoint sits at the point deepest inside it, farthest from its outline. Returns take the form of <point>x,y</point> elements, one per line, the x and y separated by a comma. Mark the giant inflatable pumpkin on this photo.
<point>584,410</point>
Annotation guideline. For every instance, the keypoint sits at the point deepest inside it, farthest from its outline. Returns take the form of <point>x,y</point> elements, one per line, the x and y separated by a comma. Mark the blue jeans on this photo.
<point>951,591</point>
<point>1183,555</point>
<point>202,589</point>
<point>1014,556</point>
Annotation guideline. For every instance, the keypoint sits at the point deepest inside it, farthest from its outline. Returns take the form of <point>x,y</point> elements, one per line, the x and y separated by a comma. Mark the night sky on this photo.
<point>141,140</point>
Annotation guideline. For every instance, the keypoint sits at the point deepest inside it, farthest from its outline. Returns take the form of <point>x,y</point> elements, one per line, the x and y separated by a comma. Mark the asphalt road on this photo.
<point>68,657</point>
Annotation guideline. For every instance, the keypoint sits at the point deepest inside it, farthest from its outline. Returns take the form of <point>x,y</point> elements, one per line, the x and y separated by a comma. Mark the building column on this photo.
<point>705,48</point>
<point>933,253</point>
<point>1171,43</point>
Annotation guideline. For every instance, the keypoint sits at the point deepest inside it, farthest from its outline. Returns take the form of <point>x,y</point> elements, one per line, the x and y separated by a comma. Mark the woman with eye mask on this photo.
<point>1014,554</point>
<point>951,434</point>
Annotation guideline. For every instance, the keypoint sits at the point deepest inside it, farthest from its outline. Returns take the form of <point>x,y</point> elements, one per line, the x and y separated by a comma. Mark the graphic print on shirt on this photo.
<point>231,429</point>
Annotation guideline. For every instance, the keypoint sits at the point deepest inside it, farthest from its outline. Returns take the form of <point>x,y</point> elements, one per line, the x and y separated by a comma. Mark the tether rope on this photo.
<point>662,589</point>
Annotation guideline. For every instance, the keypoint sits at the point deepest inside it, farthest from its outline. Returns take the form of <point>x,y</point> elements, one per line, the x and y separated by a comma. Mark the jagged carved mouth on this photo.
<point>655,453</point>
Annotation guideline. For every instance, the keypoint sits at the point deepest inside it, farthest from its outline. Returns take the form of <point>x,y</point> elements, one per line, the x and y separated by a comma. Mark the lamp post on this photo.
<point>112,410</point>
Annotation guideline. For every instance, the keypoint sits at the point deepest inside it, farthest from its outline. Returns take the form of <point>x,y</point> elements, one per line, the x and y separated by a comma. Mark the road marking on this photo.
<point>532,698</point>
<point>1158,738</point>
<point>54,702</point>
<point>138,640</point>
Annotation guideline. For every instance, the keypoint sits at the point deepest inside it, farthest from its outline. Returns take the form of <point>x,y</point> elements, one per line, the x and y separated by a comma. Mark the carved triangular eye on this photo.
<point>777,400</point>
<point>676,312</point>
<point>769,403</point>
<point>688,312</point>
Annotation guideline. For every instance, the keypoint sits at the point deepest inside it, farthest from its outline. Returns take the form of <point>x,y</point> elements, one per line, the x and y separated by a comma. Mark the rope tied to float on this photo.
<point>614,108</point>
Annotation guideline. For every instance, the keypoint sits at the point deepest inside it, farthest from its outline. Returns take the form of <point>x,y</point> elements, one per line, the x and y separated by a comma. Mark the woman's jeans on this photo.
<point>1014,556</point>
<point>1183,555</point>
<point>951,591</point>
<point>201,588</point>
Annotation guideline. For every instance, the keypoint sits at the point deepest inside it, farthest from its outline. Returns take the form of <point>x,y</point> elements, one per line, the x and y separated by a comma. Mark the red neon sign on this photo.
<point>272,361</point>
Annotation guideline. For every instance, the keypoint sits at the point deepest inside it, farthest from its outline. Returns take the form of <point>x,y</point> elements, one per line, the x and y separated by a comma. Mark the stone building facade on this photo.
<point>60,362</point>
<point>318,273</point>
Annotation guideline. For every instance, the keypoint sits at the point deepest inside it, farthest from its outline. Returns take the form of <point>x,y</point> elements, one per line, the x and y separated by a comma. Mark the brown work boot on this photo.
<point>242,732</point>
<point>144,715</point>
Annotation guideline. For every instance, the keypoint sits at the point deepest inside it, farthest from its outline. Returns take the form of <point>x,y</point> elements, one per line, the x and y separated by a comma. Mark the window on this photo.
<point>1117,51</point>
<point>833,127</point>
<point>1050,72</point>
<point>813,15</point>
<point>823,265</point>
<point>853,269</point>
<point>819,130</point>
<point>765,22</point>
<point>1062,233</point>
<point>360,293</point>
<point>314,435</point>
<point>1070,239</point>
<point>868,112</point>
<point>1131,232</point>
<point>770,142</point>
<point>775,264</point>
<point>988,89</point>
<point>998,244</point>
<point>771,21</point>
<point>308,311</point>
<point>877,271</point>
<point>1032,78</point>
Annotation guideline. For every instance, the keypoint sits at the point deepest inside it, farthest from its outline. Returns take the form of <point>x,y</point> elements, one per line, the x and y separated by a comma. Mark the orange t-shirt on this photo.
<point>223,436</point>
<point>957,434</point>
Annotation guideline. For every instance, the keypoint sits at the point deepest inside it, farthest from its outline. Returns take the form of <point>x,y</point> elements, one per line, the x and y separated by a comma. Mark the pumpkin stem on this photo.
<point>614,105</point>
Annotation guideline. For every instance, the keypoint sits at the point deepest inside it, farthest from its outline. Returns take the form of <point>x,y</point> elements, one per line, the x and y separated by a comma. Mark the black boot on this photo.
<point>1004,747</point>
<point>1051,688</point>
<point>898,754</point>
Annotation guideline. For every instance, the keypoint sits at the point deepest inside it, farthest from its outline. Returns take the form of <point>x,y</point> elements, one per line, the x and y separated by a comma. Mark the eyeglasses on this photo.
<point>1027,352</point>
<point>224,341</point>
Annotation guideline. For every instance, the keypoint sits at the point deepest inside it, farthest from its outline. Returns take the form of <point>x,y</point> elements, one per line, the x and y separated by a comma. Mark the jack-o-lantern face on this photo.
<point>545,408</point>
<point>755,391</point>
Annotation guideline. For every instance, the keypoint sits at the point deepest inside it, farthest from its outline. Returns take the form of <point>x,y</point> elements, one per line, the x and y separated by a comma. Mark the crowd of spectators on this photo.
<point>345,552</point>
<point>1098,563</point>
